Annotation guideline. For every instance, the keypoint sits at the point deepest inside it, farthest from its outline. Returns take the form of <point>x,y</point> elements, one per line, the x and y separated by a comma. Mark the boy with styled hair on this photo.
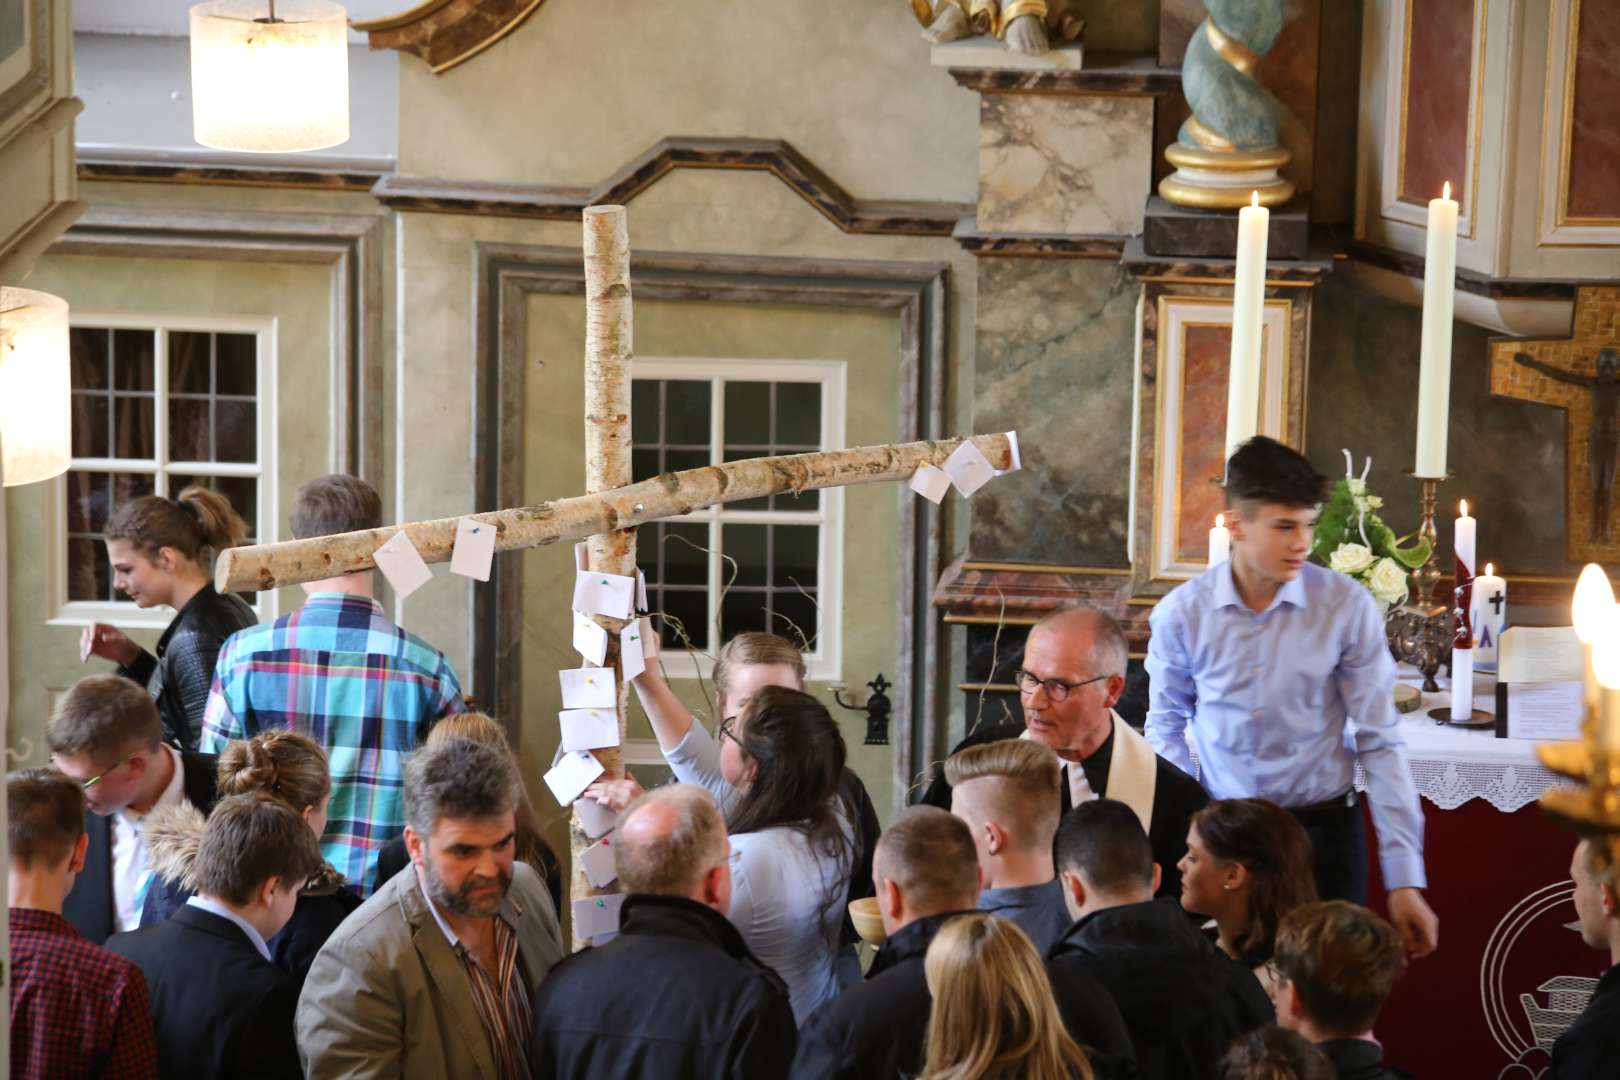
<point>76,1009</point>
<point>221,1006</point>
<point>1007,793</point>
<point>1336,963</point>
<point>1264,658</point>
<point>106,734</point>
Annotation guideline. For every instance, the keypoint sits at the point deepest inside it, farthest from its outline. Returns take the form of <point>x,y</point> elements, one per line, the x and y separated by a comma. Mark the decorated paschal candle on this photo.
<point>1462,642</point>
<point>1488,617</point>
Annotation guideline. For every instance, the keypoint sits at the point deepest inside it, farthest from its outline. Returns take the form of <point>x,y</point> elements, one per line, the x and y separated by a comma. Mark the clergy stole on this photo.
<point>1132,774</point>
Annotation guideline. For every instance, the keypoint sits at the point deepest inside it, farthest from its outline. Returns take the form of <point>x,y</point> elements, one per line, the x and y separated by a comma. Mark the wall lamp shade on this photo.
<point>35,412</point>
<point>269,76</point>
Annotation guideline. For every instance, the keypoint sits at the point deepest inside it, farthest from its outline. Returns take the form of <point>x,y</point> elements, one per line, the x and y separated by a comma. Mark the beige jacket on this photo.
<point>387,996</point>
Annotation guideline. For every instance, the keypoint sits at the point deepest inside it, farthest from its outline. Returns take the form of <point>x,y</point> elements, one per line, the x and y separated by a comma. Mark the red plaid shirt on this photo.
<point>76,1009</point>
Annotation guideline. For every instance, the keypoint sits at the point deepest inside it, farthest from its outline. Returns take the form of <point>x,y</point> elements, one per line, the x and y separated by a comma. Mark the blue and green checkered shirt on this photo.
<point>339,671</point>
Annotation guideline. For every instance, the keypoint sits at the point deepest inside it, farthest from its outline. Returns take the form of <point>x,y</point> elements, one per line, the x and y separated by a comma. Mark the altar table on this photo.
<point>1511,973</point>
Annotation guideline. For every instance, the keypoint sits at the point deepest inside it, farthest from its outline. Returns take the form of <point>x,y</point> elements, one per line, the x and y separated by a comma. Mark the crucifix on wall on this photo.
<point>1581,375</point>
<point>607,516</point>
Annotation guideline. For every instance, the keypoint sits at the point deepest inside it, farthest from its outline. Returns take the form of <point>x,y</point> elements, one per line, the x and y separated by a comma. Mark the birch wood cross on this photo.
<point>607,514</point>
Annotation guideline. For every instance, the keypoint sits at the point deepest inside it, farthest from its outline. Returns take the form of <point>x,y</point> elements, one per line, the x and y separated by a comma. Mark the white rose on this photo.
<point>1350,558</point>
<point>1387,581</point>
<point>1357,487</point>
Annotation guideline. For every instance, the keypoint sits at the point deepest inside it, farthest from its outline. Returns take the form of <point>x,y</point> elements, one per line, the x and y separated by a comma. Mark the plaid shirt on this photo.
<point>76,1009</point>
<point>340,672</point>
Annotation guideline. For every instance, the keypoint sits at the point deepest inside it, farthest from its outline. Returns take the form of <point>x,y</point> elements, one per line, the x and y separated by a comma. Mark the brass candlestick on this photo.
<point>1419,631</point>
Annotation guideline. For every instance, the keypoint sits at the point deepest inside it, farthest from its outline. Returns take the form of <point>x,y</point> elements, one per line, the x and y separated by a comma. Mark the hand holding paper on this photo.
<point>569,778</point>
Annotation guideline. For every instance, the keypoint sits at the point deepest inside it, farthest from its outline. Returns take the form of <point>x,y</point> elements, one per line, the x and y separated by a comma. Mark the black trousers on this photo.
<point>1338,851</point>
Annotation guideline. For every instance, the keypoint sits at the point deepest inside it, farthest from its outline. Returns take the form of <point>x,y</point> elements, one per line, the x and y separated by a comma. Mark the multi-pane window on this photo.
<point>155,409</point>
<point>762,564</point>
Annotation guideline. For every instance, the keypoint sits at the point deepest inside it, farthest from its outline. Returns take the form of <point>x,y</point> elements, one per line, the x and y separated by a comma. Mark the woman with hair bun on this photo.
<point>162,554</point>
<point>287,766</point>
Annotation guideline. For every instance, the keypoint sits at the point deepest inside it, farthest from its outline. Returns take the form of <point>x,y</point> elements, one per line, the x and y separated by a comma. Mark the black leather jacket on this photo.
<point>179,676</point>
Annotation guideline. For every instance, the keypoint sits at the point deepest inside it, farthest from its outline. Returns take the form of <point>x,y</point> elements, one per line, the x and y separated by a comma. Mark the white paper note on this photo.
<point>641,591</point>
<point>590,640</point>
<point>594,818</point>
<point>597,861</point>
<point>588,688</point>
<point>594,915</point>
<point>474,550</point>
<point>632,656</point>
<point>589,729</point>
<point>604,594</point>
<point>402,565</point>
<point>1545,711</point>
<point>969,469</point>
<point>1527,654</point>
<point>931,482</point>
<point>569,778</point>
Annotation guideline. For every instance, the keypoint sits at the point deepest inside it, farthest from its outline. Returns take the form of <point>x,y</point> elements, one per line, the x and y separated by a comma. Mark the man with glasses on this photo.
<point>1072,674</point>
<point>106,734</point>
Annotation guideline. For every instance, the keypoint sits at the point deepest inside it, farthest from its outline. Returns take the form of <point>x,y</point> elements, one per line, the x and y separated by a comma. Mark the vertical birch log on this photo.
<point>608,348</point>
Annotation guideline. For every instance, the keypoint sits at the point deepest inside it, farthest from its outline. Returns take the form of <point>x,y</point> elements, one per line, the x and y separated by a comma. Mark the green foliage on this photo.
<point>1339,525</point>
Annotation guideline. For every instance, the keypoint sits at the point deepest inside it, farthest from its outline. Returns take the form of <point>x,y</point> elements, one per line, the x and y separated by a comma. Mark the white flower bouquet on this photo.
<point>1352,539</point>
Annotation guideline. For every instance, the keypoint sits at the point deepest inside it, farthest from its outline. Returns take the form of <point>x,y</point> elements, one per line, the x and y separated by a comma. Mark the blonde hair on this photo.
<point>198,523</point>
<point>753,648</point>
<point>280,763</point>
<point>1024,776</point>
<point>994,1017</point>
<point>485,730</point>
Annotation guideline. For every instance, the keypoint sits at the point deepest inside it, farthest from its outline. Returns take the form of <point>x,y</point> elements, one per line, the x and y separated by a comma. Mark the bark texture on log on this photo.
<point>670,495</point>
<point>608,347</point>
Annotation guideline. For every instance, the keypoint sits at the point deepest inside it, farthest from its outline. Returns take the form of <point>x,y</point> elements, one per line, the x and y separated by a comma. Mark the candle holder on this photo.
<point>1591,807</point>
<point>1419,631</point>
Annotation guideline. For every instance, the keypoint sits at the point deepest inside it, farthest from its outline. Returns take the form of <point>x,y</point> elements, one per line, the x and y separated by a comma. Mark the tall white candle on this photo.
<point>1490,617</point>
<point>1434,371</point>
<point>1248,310</point>
<point>1220,541</point>
<point>1589,612</point>
<point>1606,670</point>
<point>1462,651</point>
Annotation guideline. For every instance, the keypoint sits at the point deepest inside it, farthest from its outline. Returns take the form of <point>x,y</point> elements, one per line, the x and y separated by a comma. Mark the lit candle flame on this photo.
<point>1462,508</point>
<point>1220,521</point>
<point>1254,198</point>
<point>1445,190</point>
<point>1490,569</point>
<point>1594,599</point>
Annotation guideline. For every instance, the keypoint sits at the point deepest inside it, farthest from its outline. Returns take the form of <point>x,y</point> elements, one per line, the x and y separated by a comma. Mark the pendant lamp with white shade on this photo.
<point>35,411</point>
<point>269,76</point>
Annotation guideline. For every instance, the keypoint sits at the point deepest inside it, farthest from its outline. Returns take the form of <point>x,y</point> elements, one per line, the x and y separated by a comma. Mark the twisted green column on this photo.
<point>1228,148</point>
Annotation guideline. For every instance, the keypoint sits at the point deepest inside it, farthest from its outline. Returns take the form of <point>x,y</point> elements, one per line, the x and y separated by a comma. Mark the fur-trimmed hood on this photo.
<point>173,835</point>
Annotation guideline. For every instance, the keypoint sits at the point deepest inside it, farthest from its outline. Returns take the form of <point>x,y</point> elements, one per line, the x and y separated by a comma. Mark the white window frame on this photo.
<point>60,611</point>
<point>825,662</point>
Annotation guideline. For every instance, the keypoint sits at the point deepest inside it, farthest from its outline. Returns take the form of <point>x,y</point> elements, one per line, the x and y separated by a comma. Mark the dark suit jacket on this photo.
<point>220,1009</point>
<point>1361,1059</point>
<point>89,906</point>
<point>1591,1046</point>
<point>877,1030</point>
<point>1176,798</point>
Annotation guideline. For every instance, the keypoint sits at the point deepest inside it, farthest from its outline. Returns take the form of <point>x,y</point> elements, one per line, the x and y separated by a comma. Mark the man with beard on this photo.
<point>1071,676</point>
<point>433,975</point>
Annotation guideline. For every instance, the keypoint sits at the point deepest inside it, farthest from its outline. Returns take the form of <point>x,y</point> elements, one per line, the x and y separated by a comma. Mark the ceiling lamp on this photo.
<point>269,76</point>
<point>35,414</point>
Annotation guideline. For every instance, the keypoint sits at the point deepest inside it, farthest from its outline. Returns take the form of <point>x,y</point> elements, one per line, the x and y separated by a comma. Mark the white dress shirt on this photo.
<point>215,908</point>
<point>129,854</point>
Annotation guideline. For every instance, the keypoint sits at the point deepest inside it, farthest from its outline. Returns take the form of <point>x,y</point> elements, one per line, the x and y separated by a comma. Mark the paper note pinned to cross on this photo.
<point>402,564</point>
<point>968,468</point>
<point>604,594</point>
<point>582,556</point>
<point>589,729</point>
<point>594,818</point>
<point>588,688</point>
<point>930,482</point>
<point>569,778</point>
<point>474,550</point>
<point>632,650</point>
<point>590,640</point>
<point>641,591</point>
<point>597,861</point>
<point>594,915</point>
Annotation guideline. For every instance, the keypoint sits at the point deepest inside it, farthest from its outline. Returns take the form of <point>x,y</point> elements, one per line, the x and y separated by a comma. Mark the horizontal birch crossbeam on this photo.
<point>670,495</point>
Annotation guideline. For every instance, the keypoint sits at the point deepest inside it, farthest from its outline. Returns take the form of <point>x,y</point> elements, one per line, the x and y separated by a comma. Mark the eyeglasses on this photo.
<point>102,775</point>
<point>1056,689</point>
<point>728,730</point>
